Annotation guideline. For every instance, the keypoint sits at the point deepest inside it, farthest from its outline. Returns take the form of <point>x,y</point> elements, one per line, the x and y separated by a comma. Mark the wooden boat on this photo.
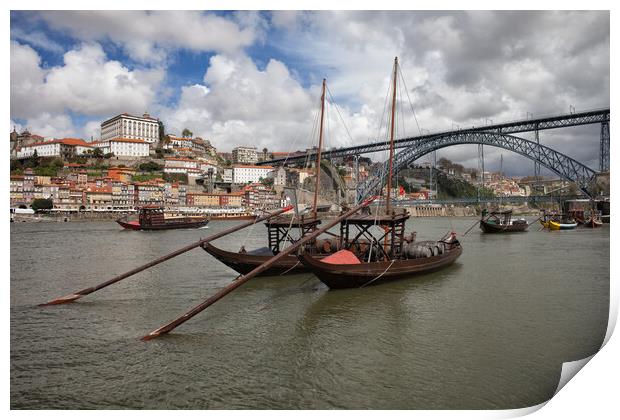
<point>344,270</point>
<point>279,231</point>
<point>501,222</point>
<point>593,222</point>
<point>152,218</point>
<point>389,255</point>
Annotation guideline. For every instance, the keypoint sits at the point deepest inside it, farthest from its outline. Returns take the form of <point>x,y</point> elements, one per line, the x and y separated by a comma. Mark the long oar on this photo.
<point>76,295</point>
<point>242,279</point>
<point>472,226</point>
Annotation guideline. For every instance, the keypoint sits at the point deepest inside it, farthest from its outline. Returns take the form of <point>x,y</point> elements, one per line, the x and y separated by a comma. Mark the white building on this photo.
<point>243,154</point>
<point>227,175</point>
<point>242,174</point>
<point>130,127</point>
<point>124,147</point>
<point>182,166</point>
<point>64,148</point>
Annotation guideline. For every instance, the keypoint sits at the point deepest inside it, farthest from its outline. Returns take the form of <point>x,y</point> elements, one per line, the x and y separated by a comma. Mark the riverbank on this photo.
<point>427,210</point>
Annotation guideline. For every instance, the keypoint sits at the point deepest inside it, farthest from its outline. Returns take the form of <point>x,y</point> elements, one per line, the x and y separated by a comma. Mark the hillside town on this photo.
<point>135,163</point>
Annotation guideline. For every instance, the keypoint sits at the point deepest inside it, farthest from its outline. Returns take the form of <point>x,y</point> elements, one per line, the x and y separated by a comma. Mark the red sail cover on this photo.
<point>342,257</point>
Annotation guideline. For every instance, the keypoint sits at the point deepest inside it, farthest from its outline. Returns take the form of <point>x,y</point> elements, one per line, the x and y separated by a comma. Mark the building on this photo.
<point>279,177</point>
<point>227,175</point>
<point>127,126</point>
<point>124,147</point>
<point>229,200</point>
<point>182,166</point>
<point>17,190</point>
<point>98,198</point>
<point>19,140</point>
<point>244,154</point>
<point>243,174</point>
<point>62,148</point>
<point>123,195</point>
<point>146,193</point>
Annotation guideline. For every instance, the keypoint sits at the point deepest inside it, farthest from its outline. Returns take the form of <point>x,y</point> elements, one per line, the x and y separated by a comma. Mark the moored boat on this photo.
<point>381,263</point>
<point>386,254</point>
<point>501,222</point>
<point>280,230</point>
<point>153,218</point>
<point>557,221</point>
<point>593,222</point>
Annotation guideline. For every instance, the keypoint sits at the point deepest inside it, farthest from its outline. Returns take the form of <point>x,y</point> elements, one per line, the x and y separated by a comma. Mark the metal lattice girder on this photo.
<point>559,163</point>
<point>604,153</point>
<point>547,123</point>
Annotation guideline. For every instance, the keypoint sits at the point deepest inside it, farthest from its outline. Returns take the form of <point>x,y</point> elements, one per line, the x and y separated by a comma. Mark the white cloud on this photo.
<point>48,125</point>
<point>147,34</point>
<point>87,83</point>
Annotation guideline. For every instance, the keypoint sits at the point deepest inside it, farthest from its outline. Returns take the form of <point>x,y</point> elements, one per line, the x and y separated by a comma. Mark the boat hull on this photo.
<point>551,225</point>
<point>243,263</point>
<point>346,276</point>
<point>592,223</point>
<point>499,228</point>
<point>135,225</point>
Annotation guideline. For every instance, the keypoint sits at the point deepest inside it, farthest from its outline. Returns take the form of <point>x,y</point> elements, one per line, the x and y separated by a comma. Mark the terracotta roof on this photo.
<point>67,141</point>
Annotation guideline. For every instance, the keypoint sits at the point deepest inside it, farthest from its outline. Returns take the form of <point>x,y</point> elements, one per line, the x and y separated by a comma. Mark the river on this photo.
<point>489,332</point>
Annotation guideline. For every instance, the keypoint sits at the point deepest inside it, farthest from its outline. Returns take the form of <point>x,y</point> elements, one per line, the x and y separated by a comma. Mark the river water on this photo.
<point>489,332</point>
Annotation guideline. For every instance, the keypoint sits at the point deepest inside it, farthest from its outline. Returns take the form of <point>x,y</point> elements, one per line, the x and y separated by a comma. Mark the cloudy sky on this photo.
<point>254,78</point>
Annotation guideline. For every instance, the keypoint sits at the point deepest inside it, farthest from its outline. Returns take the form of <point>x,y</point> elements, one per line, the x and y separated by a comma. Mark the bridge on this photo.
<point>497,135</point>
<point>513,199</point>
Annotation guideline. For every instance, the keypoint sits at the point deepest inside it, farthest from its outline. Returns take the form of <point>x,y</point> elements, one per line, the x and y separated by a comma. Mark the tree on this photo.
<point>150,167</point>
<point>97,153</point>
<point>42,204</point>
<point>162,131</point>
<point>186,133</point>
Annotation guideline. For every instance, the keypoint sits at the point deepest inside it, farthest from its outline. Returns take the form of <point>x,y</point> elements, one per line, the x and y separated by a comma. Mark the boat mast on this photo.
<point>318,154</point>
<point>389,180</point>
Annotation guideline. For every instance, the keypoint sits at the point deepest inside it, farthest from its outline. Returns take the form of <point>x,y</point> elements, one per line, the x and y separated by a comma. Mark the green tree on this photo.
<point>42,204</point>
<point>187,133</point>
<point>150,167</point>
<point>97,153</point>
<point>162,131</point>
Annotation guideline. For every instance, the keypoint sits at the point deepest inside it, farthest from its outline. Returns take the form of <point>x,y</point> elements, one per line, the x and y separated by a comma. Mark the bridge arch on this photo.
<point>557,162</point>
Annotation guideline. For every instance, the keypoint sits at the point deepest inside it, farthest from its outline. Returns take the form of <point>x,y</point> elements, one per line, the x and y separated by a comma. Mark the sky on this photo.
<point>254,77</point>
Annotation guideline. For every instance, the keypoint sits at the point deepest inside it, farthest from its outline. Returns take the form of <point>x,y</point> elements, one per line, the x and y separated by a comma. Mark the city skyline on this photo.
<point>240,78</point>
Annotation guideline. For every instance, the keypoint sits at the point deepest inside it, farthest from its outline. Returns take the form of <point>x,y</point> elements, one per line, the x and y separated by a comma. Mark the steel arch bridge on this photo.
<point>557,162</point>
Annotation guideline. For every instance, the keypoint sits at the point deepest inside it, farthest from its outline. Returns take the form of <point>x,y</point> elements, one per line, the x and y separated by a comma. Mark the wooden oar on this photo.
<point>242,279</point>
<point>472,226</point>
<point>76,295</point>
<point>530,224</point>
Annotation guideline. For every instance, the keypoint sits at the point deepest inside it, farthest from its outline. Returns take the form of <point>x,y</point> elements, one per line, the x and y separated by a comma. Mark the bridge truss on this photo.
<point>557,162</point>
<point>514,127</point>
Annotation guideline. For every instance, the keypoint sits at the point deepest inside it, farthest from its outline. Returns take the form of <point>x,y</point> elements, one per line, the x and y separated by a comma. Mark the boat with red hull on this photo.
<point>153,218</point>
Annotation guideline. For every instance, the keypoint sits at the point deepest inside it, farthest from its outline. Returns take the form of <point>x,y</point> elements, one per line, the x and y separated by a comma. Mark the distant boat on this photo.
<point>593,222</point>
<point>557,221</point>
<point>501,222</point>
<point>153,218</point>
